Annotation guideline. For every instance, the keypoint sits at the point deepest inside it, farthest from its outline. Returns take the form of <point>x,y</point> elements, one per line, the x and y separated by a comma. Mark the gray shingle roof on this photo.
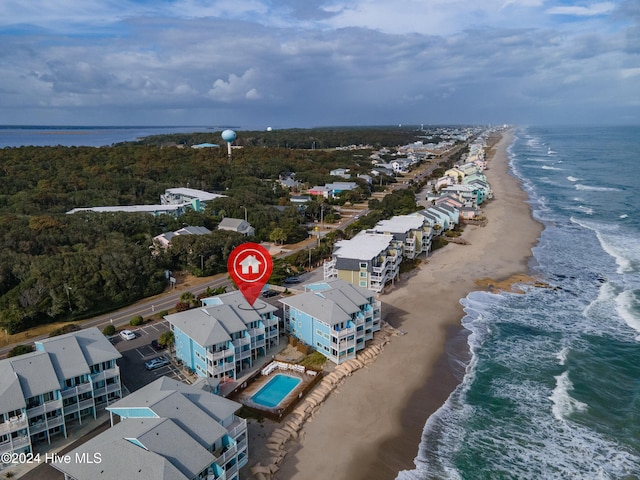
<point>36,373</point>
<point>11,397</point>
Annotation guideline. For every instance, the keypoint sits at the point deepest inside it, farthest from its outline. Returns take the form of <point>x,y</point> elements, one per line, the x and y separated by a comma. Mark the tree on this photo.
<point>167,338</point>
<point>278,235</point>
<point>20,350</point>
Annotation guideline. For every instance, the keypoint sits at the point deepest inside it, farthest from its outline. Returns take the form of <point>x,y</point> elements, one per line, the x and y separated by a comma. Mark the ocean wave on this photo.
<point>628,307</point>
<point>562,355</point>
<point>547,167</point>
<point>573,179</point>
<point>625,249</point>
<point>580,186</point>
<point>563,404</point>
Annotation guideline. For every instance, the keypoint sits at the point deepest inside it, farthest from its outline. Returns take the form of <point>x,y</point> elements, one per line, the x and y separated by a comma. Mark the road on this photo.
<point>146,308</point>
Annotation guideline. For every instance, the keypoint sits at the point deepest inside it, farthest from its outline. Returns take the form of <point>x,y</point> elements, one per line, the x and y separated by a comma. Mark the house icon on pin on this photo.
<point>250,265</point>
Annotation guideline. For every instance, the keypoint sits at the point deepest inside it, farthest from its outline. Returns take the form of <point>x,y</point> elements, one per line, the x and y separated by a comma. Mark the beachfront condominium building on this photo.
<point>225,335</point>
<point>411,231</point>
<point>369,260</point>
<point>67,379</point>
<point>167,430</point>
<point>335,317</point>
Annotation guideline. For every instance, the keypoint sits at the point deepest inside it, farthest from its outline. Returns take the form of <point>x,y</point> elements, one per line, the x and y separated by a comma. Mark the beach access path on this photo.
<point>370,427</point>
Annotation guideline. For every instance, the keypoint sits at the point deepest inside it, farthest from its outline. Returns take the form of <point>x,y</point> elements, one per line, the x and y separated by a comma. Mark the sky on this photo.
<point>306,63</point>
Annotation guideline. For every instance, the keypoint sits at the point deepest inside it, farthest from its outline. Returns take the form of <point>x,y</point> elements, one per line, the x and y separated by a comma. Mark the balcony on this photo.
<point>213,356</point>
<point>44,425</point>
<point>238,427</point>
<point>14,424</point>
<point>343,333</point>
<point>15,444</point>
<point>51,406</point>
<point>77,390</point>
<point>271,322</point>
<point>105,374</point>
<point>226,453</point>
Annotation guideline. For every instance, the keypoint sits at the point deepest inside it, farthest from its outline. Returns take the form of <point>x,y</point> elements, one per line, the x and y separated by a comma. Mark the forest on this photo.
<point>56,266</point>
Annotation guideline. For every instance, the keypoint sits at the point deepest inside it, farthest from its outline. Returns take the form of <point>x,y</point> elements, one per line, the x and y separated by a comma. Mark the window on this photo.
<point>363,274</point>
<point>363,265</point>
<point>363,283</point>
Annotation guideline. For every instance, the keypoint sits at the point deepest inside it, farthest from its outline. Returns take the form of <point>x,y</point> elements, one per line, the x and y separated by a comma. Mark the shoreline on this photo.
<point>371,426</point>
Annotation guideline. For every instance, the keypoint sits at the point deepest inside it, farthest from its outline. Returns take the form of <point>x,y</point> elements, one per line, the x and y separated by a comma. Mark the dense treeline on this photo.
<point>56,266</point>
<point>298,138</point>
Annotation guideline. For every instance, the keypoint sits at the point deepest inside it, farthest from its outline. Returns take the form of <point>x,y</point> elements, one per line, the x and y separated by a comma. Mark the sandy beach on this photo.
<point>370,426</point>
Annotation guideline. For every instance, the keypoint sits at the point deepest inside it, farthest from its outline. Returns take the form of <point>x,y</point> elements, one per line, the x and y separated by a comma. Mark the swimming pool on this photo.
<point>274,392</point>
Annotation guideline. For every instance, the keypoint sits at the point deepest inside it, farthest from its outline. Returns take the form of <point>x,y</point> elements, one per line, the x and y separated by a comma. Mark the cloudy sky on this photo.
<point>304,63</point>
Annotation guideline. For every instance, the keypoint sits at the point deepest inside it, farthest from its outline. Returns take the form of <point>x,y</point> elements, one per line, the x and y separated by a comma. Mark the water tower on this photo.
<point>229,136</point>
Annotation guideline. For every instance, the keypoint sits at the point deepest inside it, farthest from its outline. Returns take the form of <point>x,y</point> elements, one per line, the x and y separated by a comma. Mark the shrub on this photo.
<point>109,330</point>
<point>71,327</point>
<point>20,350</point>
<point>137,320</point>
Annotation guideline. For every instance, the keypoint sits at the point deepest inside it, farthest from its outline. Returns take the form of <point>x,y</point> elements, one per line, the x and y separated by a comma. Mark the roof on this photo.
<point>400,224</point>
<point>11,397</point>
<point>73,353</point>
<point>139,449</point>
<point>36,373</point>
<point>193,193</point>
<point>364,246</point>
<point>235,224</point>
<point>199,326</point>
<point>131,208</point>
<point>331,305</point>
<point>193,230</point>
<point>196,411</point>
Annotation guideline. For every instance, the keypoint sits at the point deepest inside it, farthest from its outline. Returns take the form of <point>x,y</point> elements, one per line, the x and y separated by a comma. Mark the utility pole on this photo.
<point>67,288</point>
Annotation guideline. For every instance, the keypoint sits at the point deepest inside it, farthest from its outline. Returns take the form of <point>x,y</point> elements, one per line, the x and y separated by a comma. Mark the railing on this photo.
<point>220,354</point>
<point>344,332</point>
<point>13,425</point>
<point>45,407</point>
<point>271,322</point>
<point>14,444</point>
<point>238,426</point>
<point>77,390</point>
<point>229,453</point>
<point>105,374</point>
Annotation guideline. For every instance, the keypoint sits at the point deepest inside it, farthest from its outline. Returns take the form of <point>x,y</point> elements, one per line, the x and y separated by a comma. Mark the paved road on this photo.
<point>148,307</point>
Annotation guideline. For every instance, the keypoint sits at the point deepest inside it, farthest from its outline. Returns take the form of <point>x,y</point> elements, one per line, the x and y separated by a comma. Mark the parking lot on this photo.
<point>138,351</point>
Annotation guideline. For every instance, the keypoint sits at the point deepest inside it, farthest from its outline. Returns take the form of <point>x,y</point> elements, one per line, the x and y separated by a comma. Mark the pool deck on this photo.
<point>245,397</point>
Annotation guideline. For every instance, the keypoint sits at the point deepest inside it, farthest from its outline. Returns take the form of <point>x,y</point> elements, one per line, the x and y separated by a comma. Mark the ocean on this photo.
<point>551,389</point>
<point>81,136</point>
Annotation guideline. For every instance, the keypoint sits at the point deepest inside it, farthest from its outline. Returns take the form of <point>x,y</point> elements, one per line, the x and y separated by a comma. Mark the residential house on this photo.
<point>167,430</point>
<point>164,239</point>
<point>368,260</point>
<point>340,172</point>
<point>236,225</point>
<point>188,196</point>
<point>225,335</point>
<point>335,317</point>
<point>67,379</point>
<point>411,231</point>
<point>330,190</point>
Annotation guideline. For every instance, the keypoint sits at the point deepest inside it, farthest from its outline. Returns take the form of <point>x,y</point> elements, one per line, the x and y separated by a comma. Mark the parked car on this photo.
<point>269,293</point>
<point>157,345</point>
<point>127,335</point>
<point>156,363</point>
<point>292,280</point>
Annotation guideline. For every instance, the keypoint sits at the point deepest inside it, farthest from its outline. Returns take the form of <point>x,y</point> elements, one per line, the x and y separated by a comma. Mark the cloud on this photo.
<point>603,8</point>
<point>235,88</point>
<point>297,63</point>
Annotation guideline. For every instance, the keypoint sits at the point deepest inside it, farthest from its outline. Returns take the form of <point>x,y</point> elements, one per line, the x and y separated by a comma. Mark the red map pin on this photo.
<point>250,267</point>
